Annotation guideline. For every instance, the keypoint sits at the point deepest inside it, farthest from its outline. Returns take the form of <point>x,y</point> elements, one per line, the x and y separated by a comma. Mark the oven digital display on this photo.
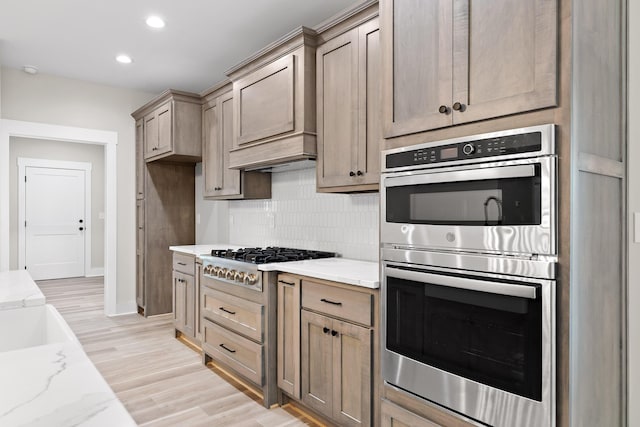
<point>449,153</point>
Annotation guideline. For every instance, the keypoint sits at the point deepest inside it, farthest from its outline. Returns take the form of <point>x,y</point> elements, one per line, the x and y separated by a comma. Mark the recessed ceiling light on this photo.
<point>124,59</point>
<point>30,69</point>
<point>155,22</point>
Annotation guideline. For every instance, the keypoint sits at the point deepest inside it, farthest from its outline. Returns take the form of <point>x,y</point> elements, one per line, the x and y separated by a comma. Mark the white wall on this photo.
<point>633,162</point>
<point>211,216</point>
<point>296,216</point>
<point>55,100</point>
<point>57,150</point>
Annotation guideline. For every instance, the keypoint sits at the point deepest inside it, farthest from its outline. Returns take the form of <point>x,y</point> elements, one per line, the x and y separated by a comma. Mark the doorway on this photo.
<point>54,218</point>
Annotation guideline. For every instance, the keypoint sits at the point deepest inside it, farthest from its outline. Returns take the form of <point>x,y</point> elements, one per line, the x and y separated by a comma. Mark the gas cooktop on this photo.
<point>270,254</point>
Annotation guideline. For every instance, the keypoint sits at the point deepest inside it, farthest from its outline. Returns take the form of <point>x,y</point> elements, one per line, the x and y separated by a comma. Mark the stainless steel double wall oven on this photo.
<point>469,252</point>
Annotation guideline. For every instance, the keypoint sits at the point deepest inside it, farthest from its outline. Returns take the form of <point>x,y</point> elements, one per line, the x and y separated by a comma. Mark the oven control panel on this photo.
<point>471,149</point>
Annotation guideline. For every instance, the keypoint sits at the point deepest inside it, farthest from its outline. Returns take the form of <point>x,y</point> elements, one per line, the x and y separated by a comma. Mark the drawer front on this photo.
<point>237,314</point>
<point>184,263</point>
<point>239,353</point>
<point>343,303</point>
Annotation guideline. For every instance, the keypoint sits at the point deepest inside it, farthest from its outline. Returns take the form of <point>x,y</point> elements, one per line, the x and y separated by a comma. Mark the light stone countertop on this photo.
<point>56,385</point>
<point>17,289</point>
<point>197,250</point>
<point>353,272</point>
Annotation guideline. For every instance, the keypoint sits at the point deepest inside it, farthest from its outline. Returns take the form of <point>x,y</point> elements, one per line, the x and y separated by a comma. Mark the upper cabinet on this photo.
<point>274,103</point>
<point>172,127</point>
<point>348,110</point>
<point>447,63</point>
<point>220,182</point>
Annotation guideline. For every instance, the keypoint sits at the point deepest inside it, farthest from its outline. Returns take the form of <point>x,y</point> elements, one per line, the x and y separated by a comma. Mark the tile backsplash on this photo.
<point>296,216</point>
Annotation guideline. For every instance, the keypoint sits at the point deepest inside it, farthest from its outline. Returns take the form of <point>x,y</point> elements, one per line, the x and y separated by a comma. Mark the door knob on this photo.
<point>81,228</point>
<point>81,221</point>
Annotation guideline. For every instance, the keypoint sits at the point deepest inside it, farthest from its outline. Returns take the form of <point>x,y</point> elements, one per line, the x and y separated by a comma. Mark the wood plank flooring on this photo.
<point>160,381</point>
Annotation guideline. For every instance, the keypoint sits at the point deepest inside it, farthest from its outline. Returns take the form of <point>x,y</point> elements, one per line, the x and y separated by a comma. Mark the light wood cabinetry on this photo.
<point>395,416</point>
<point>288,334</point>
<point>274,103</point>
<point>221,182</point>
<point>446,63</point>
<point>185,298</point>
<point>349,110</point>
<point>337,355</point>
<point>172,127</point>
<point>165,216</point>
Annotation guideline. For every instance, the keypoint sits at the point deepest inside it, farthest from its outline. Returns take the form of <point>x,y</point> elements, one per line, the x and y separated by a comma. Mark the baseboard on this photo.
<point>94,272</point>
<point>129,307</point>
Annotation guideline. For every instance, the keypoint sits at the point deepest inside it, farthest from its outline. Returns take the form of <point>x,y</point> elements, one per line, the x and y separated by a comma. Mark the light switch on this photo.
<point>636,227</point>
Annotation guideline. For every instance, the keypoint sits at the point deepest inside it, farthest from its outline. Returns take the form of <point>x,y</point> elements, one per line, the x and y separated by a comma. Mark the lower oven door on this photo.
<point>482,345</point>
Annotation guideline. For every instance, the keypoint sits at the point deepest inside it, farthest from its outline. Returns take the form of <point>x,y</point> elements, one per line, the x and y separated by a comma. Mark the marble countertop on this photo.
<point>17,289</point>
<point>202,249</point>
<point>56,385</point>
<point>353,272</point>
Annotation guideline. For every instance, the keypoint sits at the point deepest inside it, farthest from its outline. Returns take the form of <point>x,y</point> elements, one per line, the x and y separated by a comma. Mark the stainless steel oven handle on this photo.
<point>519,171</point>
<point>522,291</point>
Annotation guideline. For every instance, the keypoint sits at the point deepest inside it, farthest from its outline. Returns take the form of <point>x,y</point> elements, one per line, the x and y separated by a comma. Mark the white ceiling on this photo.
<point>203,38</point>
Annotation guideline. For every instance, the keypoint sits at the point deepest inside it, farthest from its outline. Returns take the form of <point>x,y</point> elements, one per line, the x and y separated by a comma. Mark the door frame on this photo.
<point>109,140</point>
<point>23,164</point>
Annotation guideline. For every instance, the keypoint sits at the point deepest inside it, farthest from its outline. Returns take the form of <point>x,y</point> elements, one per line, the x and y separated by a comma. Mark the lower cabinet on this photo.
<point>395,416</point>
<point>185,295</point>
<point>326,348</point>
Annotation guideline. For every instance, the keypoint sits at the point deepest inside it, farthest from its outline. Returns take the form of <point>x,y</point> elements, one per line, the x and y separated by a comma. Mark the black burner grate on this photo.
<point>270,254</point>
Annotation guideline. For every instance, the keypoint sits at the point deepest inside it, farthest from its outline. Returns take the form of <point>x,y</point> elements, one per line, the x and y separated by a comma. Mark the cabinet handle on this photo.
<point>227,348</point>
<point>325,330</point>
<point>444,109</point>
<point>359,173</point>
<point>182,263</point>
<point>286,283</point>
<point>330,302</point>
<point>227,311</point>
<point>352,173</point>
<point>459,107</point>
<point>334,333</point>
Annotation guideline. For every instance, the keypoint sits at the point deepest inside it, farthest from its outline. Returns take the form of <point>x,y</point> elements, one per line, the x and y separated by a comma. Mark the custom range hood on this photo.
<point>274,100</point>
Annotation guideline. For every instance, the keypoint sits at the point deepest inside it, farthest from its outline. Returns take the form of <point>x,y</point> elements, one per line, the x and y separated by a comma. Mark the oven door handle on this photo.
<point>510,289</point>
<point>504,172</point>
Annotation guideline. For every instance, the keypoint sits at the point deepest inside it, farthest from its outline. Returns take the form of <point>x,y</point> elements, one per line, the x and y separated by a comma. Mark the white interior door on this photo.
<point>54,222</point>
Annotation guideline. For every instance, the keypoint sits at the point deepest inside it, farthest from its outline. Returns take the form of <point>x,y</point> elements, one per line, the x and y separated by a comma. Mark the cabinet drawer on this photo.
<point>241,354</point>
<point>237,314</point>
<point>184,264</point>
<point>395,416</point>
<point>338,302</point>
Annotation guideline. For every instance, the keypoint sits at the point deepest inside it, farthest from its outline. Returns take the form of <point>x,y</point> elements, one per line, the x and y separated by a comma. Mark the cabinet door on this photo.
<point>165,128</point>
<point>264,101</point>
<point>370,102</point>
<point>230,177</point>
<point>150,135</point>
<point>140,254</point>
<point>395,416</point>
<point>289,335</point>
<point>179,300</point>
<point>212,156</point>
<point>351,374</point>
<point>317,390</point>
<point>140,172</point>
<point>189,306</point>
<point>504,57</point>
<point>337,115</point>
<point>417,64</point>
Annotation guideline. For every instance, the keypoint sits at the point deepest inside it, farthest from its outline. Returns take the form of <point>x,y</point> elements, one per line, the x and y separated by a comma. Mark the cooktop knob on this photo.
<point>469,149</point>
<point>231,275</point>
<point>251,279</point>
<point>239,277</point>
<point>222,272</point>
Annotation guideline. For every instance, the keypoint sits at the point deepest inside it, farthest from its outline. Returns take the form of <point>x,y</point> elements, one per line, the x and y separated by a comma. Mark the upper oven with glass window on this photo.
<point>493,193</point>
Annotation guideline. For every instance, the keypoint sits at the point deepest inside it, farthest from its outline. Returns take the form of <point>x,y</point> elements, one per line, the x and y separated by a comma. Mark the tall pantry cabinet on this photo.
<point>165,192</point>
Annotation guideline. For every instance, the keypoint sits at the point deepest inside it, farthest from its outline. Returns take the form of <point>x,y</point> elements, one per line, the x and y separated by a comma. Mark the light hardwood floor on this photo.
<point>161,381</point>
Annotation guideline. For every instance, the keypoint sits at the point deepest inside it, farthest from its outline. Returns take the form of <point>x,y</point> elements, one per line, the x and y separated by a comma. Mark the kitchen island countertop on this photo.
<point>17,289</point>
<point>350,271</point>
